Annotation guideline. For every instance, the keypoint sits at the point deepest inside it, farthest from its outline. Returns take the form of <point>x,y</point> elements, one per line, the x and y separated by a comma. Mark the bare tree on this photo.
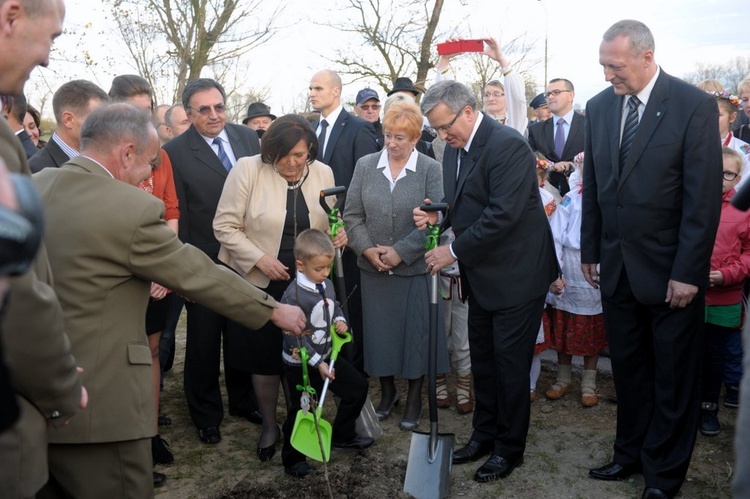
<point>176,39</point>
<point>402,34</point>
<point>730,74</point>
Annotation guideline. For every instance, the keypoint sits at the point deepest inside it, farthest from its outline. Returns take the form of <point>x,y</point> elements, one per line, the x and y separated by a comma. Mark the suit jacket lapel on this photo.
<point>240,148</point>
<point>549,137</point>
<point>470,161</point>
<point>576,129</point>
<point>652,116</point>
<point>613,132</point>
<point>203,152</point>
<point>450,158</point>
<point>335,132</point>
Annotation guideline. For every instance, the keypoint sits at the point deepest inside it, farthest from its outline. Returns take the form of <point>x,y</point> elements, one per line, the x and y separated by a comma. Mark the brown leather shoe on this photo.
<point>589,398</point>
<point>464,394</point>
<point>441,391</point>
<point>557,391</point>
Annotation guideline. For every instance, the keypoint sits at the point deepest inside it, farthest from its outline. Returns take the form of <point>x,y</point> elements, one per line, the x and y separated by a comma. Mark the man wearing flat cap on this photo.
<point>367,106</point>
<point>258,117</point>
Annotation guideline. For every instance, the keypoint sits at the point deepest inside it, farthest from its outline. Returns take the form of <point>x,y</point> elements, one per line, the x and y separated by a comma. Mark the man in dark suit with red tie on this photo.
<point>202,157</point>
<point>651,204</point>
<point>506,256</point>
<point>560,137</point>
<point>343,139</point>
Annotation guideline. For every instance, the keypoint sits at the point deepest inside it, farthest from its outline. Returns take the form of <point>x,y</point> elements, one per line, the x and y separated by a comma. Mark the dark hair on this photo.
<point>109,124</point>
<point>75,96</point>
<point>199,85</point>
<point>568,83</point>
<point>127,86</point>
<point>18,107</point>
<point>7,103</point>
<point>283,135</point>
<point>35,115</point>
<point>311,243</point>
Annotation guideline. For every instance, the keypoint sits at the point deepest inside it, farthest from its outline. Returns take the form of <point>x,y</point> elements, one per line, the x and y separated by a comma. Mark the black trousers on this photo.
<point>354,351</point>
<point>501,344</point>
<point>205,330</point>
<point>349,385</point>
<point>656,363</point>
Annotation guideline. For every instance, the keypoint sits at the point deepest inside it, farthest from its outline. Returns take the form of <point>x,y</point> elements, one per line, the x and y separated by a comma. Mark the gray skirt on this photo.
<point>396,321</point>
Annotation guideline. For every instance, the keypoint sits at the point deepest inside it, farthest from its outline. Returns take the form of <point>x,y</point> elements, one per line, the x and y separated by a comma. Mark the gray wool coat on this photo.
<point>375,215</point>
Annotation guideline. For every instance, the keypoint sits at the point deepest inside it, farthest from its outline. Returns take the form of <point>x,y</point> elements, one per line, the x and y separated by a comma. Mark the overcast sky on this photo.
<point>687,32</point>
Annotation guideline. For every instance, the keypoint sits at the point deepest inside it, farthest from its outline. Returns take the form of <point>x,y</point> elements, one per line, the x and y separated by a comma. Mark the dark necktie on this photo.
<point>628,131</point>
<point>322,291</point>
<point>223,154</point>
<point>461,157</point>
<point>322,139</point>
<point>560,138</point>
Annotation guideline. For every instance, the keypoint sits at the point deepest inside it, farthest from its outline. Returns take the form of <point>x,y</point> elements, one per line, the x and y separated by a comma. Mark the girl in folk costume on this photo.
<point>728,106</point>
<point>550,198</point>
<point>577,324</point>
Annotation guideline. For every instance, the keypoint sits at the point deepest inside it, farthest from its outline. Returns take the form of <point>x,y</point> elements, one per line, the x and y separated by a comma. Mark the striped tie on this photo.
<point>223,155</point>
<point>628,132</point>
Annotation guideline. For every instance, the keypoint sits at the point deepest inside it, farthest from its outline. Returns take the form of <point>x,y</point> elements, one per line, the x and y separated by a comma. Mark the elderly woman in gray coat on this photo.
<point>385,188</point>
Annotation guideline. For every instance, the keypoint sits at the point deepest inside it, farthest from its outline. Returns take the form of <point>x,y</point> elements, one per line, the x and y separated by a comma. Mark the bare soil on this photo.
<point>565,440</point>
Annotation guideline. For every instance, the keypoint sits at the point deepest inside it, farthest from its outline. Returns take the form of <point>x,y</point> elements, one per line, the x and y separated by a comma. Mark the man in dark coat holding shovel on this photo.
<point>502,237</point>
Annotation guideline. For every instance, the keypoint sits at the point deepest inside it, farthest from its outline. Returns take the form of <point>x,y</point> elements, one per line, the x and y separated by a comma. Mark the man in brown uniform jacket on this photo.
<point>107,242</point>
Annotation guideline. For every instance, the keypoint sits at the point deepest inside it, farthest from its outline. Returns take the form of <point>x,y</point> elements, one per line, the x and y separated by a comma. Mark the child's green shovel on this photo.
<point>311,434</point>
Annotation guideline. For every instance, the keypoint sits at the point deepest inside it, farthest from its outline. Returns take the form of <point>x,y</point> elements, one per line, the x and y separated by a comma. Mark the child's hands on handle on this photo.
<point>326,372</point>
<point>341,327</point>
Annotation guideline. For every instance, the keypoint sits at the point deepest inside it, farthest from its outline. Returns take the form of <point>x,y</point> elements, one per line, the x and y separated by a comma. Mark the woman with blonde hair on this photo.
<point>385,188</point>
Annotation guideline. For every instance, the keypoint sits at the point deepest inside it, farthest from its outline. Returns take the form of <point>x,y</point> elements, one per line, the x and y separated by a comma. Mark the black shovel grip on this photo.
<point>333,191</point>
<point>434,207</point>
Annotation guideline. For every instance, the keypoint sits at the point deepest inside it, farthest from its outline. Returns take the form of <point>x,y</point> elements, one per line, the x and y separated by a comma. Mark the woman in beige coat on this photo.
<point>267,200</point>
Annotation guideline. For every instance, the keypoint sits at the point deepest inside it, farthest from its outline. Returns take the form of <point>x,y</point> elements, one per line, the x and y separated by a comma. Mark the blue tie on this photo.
<point>628,131</point>
<point>223,154</point>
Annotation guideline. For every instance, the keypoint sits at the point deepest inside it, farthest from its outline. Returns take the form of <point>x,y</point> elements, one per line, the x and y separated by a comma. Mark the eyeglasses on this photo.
<point>206,110</point>
<point>445,128</point>
<point>367,107</point>
<point>555,93</point>
<point>496,95</point>
<point>729,176</point>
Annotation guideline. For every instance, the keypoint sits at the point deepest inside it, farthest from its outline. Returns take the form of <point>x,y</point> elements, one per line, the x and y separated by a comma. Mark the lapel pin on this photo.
<point>658,113</point>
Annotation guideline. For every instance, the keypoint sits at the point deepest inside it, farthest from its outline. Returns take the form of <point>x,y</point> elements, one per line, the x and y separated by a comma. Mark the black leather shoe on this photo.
<point>299,470</point>
<point>254,417</point>
<point>654,493</point>
<point>266,453</point>
<point>357,442</point>
<point>495,468</point>
<point>613,471</point>
<point>160,451</point>
<point>159,479</point>
<point>209,435</point>
<point>471,452</point>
